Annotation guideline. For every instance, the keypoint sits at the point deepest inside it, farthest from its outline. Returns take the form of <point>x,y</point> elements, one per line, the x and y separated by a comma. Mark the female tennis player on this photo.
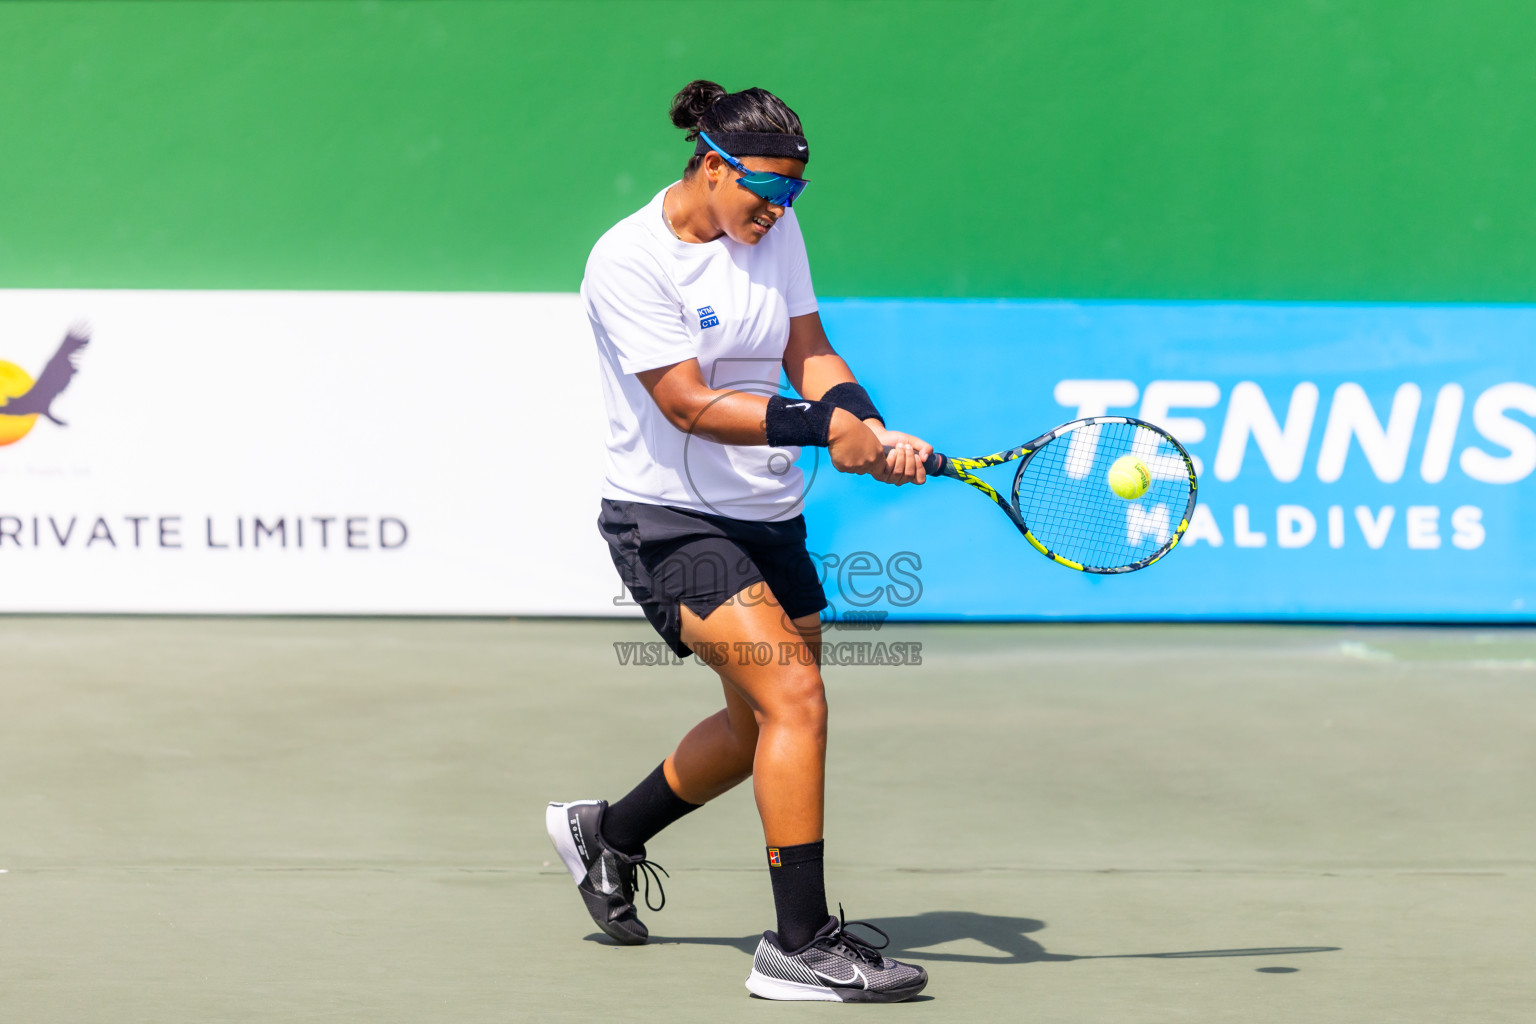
<point>697,301</point>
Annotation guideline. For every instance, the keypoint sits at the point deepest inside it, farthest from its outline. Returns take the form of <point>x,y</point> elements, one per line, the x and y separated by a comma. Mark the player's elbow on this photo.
<point>703,411</point>
<point>684,410</point>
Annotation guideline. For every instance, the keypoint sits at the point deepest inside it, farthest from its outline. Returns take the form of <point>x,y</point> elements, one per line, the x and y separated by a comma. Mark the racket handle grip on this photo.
<point>933,465</point>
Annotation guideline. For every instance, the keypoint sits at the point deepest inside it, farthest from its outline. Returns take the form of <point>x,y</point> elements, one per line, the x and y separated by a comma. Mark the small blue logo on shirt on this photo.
<point>707,317</point>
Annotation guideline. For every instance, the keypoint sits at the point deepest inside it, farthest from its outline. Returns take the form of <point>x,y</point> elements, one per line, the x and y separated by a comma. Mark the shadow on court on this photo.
<point>912,936</point>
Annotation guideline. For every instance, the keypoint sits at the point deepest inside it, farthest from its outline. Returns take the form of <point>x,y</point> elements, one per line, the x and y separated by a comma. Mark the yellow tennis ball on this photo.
<point>1129,477</point>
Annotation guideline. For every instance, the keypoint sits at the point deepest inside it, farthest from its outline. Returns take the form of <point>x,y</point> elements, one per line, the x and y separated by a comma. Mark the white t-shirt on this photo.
<point>654,300</point>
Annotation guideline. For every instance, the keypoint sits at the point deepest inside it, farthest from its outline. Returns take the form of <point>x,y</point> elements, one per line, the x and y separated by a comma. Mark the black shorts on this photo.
<point>667,556</point>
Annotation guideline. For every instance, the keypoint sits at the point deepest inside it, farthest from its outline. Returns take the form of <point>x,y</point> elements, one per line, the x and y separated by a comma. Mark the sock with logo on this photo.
<point>799,892</point>
<point>649,808</point>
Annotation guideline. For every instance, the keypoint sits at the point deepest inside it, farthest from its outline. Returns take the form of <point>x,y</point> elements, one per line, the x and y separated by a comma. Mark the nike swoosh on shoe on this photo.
<point>858,976</point>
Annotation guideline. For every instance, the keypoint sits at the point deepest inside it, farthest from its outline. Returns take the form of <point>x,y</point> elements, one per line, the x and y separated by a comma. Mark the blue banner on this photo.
<point>1355,462</point>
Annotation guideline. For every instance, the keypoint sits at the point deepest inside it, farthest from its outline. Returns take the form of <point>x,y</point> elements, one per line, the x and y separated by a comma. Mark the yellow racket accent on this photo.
<point>1061,506</point>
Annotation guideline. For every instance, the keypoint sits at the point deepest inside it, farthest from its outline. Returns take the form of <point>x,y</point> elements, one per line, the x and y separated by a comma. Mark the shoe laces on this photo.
<point>636,865</point>
<point>856,946</point>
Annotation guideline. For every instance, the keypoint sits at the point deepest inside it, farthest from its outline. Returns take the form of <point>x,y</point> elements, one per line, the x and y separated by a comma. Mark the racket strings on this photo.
<point>1064,497</point>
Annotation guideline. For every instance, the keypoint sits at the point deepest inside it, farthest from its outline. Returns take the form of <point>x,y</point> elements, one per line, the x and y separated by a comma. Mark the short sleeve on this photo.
<point>799,296</point>
<point>634,306</point>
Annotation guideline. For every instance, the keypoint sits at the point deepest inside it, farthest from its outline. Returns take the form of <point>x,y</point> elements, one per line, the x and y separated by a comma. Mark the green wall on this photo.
<point>1290,149</point>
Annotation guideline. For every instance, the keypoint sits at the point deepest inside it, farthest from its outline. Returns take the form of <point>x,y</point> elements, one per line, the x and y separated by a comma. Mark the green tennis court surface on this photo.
<point>278,820</point>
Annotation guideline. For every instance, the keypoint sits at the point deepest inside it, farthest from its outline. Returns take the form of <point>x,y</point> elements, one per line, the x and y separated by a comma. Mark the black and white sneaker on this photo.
<point>834,967</point>
<point>605,877</point>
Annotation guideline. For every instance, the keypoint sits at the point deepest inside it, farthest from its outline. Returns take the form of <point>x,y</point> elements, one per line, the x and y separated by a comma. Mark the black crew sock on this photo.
<point>649,808</point>
<point>799,892</point>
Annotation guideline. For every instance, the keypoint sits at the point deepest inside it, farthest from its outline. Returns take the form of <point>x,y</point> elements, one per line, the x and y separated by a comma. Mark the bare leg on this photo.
<point>788,706</point>
<point>716,755</point>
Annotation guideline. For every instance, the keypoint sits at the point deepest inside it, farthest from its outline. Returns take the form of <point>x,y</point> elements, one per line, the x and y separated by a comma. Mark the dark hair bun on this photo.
<point>691,104</point>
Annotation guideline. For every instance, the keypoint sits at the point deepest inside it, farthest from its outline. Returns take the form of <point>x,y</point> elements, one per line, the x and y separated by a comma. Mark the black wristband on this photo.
<point>855,399</point>
<point>803,423</point>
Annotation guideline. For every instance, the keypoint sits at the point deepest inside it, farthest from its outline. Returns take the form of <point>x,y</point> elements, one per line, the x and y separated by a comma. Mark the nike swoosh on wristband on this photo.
<point>799,405</point>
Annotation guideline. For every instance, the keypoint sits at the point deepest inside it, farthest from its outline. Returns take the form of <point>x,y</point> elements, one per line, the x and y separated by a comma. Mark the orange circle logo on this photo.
<point>14,382</point>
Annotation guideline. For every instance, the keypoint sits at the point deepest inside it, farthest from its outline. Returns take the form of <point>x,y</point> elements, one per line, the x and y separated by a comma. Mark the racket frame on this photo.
<point>963,470</point>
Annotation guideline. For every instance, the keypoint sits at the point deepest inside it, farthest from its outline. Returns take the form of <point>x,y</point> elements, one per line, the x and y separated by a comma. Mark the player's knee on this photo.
<point>799,702</point>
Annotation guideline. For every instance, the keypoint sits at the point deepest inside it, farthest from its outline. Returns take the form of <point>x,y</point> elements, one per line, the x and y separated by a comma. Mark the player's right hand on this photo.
<point>904,455</point>
<point>853,446</point>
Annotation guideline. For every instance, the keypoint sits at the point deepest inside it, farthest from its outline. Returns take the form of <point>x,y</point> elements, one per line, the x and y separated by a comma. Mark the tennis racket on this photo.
<point>1062,501</point>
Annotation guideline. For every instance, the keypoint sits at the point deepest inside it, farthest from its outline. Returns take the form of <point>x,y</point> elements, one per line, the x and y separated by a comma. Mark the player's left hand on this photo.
<point>904,463</point>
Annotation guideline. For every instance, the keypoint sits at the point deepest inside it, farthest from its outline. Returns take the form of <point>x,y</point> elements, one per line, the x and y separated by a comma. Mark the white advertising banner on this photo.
<point>300,452</point>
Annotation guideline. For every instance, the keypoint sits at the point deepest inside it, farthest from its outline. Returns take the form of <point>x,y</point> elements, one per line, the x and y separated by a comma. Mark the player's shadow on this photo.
<point>911,938</point>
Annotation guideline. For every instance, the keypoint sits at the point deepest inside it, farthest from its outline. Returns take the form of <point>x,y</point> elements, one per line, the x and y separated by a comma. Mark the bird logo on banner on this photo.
<point>25,400</point>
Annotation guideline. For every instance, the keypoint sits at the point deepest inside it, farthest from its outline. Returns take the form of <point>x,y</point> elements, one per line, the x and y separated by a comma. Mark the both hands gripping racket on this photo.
<point>1063,503</point>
